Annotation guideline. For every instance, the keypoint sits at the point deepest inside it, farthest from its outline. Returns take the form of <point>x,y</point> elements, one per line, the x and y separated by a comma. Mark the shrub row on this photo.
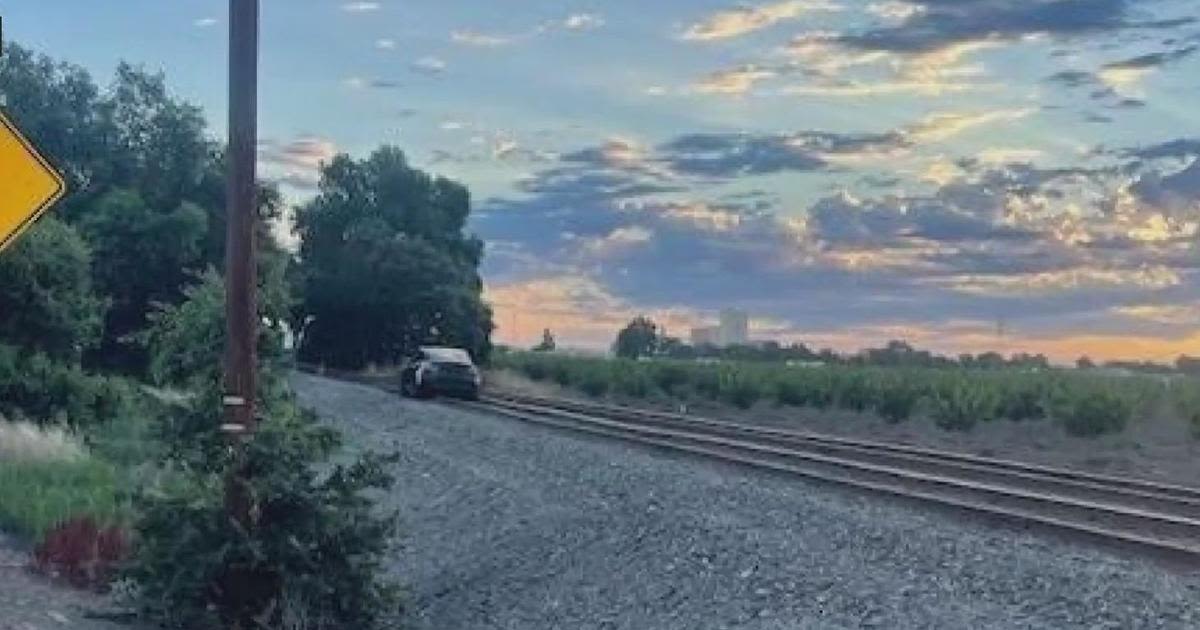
<point>956,399</point>
<point>36,387</point>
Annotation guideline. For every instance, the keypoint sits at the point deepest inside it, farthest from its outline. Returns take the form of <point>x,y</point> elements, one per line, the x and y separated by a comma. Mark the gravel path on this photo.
<point>28,602</point>
<point>513,526</point>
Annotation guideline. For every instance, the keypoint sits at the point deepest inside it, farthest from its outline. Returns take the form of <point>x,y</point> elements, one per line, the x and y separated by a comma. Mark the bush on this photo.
<point>897,400</point>
<point>669,375</point>
<point>957,399</point>
<point>560,373</point>
<point>630,379</point>
<point>739,389</point>
<point>1023,401</point>
<point>959,404</point>
<point>182,340</point>
<point>853,391</point>
<point>1092,413</point>
<point>594,381</point>
<point>36,387</point>
<point>535,370</point>
<point>706,382</point>
<point>314,548</point>
<point>1187,403</point>
<point>789,391</point>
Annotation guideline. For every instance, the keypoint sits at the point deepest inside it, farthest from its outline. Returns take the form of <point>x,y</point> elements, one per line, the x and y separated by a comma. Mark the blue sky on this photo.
<point>968,174</point>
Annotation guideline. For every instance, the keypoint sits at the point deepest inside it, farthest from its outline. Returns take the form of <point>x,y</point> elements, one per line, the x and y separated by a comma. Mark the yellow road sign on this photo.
<point>28,184</point>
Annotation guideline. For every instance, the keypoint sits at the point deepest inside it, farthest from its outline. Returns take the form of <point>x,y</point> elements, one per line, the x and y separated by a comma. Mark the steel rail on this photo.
<point>1149,517</point>
<point>1183,498</point>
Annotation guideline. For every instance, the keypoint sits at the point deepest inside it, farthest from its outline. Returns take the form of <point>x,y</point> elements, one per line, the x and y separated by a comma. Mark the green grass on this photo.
<point>36,496</point>
<point>50,474</point>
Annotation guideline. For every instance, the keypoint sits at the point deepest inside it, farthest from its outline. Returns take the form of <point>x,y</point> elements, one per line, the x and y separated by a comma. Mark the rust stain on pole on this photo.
<point>241,308</point>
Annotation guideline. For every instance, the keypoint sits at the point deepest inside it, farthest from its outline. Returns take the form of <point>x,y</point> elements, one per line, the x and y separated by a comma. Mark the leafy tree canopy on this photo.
<point>145,188</point>
<point>638,339</point>
<point>385,264</point>
<point>46,297</point>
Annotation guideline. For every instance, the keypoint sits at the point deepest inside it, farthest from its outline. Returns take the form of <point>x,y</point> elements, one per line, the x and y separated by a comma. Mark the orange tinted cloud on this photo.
<point>579,311</point>
<point>582,314</point>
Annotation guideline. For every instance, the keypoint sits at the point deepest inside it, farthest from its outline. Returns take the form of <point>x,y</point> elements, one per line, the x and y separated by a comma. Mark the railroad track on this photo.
<point>1152,518</point>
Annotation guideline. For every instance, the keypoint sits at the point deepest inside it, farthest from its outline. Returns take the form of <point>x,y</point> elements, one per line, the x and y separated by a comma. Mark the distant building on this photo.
<point>734,329</point>
<point>706,336</point>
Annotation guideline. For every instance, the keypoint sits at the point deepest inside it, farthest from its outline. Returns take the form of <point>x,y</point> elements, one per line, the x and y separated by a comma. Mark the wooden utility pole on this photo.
<point>241,308</point>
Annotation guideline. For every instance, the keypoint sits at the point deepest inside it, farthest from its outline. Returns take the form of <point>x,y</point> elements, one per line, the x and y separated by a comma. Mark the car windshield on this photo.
<point>447,355</point>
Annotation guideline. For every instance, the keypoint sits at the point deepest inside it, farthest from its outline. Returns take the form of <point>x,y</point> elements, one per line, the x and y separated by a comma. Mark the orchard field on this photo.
<point>1085,404</point>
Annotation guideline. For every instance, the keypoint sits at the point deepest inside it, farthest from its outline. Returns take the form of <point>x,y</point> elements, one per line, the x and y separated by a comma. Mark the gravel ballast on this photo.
<point>508,525</point>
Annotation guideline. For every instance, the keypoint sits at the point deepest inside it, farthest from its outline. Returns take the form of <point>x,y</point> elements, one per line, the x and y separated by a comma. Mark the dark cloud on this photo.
<point>998,241</point>
<point>1178,192</point>
<point>379,84</point>
<point>710,156</point>
<point>1152,60</point>
<point>1104,93</point>
<point>1073,78</point>
<point>948,22</point>
<point>1129,103</point>
<point>956,213</point>
<point>886,182</point>
<point>570,185</point>
<point>723,155</point>
<point>1092,117</point>
<point>1021,178</point>
<point>1177,148</point>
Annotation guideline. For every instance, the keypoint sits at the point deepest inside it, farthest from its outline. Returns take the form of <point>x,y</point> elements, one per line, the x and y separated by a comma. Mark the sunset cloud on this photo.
<point>747,19</point>
<point>941,126</point>
<point>849,173</point>
<point>295,162</point>
<point>736,81</point>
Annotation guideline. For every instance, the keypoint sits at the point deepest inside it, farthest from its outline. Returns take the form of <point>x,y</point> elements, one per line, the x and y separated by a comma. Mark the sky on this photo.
<point>968,175</point>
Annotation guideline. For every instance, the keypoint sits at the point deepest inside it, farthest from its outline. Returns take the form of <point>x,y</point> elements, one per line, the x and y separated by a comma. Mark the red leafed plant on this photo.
<point>82,553</point>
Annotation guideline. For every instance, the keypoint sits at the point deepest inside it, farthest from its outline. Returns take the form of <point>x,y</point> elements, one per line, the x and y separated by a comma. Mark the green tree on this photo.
<point>145,184</point>
<point>638,339</point>
<point>46,297</point>
<point>60,108</point>
<point>385,264</point>
<point>142,256</point>
<point>1188,365</point>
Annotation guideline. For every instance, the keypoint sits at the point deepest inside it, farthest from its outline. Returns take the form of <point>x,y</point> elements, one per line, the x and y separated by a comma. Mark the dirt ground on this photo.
<point>1159,447</point>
